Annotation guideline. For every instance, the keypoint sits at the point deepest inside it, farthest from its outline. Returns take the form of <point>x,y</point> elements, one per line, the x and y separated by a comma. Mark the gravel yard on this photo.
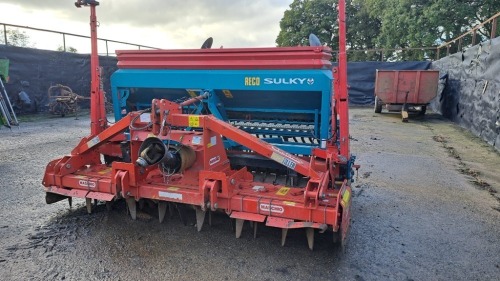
<point>425,207</point>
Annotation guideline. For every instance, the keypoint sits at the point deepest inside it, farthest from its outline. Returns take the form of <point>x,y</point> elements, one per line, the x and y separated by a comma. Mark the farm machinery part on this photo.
<point>207,128</point>
<point>63,101</point>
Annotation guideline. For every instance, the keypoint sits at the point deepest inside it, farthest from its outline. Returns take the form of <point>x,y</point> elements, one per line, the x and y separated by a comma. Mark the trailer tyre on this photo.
<point>378,105</point>
<point>423,110</point>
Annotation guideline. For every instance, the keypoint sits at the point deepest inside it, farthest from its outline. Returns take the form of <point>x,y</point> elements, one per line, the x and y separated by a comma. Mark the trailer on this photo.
<point>405,90</point>
<point>260,134</point>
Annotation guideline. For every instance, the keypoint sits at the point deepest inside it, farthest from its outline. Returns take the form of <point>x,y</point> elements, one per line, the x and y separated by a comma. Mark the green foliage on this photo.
<point>389,24</point>
<point>320,17</point>
<point>424,23</point>
<point>305,17</point>
<point>17,38</point>
<point>68,49</point>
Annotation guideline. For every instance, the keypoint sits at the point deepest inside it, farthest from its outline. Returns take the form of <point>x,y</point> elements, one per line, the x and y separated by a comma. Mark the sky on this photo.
<point>166,24</point>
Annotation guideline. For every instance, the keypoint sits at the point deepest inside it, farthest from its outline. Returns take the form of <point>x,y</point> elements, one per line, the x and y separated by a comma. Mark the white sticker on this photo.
<point>93,142</point>
<point>145,118</point>
<point>289,163</point>
<point>276,157</point>
<point>171,195</point>
<point>274,208</point>
<point>214,160</point>
<point>258,188</point>
<point>196,140</point>
<point>213,140</point>
<point>86,183</point>
<point>283,160</point>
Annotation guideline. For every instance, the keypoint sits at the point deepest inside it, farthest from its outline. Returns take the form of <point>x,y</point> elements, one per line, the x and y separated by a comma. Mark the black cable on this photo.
<point>132,127</point>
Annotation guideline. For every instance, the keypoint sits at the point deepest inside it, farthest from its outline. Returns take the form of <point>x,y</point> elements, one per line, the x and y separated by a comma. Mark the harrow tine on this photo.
<point>141,204</point>
<point>284,232</point>
<point>200,218</point>
<point>70,202</point>
<point>310,237</point>
<point>239,227</point>
<point>255,225</point>
<point>162,210</point>
<point>88,202</point>
<point>210,218</point>
<point>132,207</point>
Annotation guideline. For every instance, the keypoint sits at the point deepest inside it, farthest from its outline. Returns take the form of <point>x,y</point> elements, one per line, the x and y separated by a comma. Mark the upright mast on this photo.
<point>97,106</point>
<point>342,94</point>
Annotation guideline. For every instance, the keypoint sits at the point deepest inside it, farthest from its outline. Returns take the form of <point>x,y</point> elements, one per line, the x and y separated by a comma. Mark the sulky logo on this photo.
<point>274,208</point>
<point>288,81</point>
<point>86,183</point>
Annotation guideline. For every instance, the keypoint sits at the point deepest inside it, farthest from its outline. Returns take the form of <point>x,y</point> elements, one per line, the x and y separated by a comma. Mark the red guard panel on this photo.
<point>234,58</point>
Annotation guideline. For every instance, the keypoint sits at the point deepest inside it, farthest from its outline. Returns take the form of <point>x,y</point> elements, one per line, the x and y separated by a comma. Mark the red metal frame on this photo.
<point>210,183</point>
<point>205,182</point>
<point>98,120</point>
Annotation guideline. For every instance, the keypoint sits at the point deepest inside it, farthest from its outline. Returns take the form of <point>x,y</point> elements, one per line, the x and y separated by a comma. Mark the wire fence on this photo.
<point>472,37</point>
<point>25,36</point>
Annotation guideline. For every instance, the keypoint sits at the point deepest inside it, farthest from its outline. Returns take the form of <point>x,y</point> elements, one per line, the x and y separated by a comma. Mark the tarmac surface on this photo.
<point>425,207</point>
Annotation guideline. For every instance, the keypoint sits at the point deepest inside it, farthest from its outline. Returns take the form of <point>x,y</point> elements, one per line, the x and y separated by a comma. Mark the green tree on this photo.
<point>454,18</point>
<point>389,24</point>
<point>68,49</point>
<point>17,38</point>
<point>424,23</point>
<point>309,16</point>
<point>320,17</point>
<point>362,31</point>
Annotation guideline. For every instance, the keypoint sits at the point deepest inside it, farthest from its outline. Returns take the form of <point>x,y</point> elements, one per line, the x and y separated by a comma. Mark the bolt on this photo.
<point>216,206</point>
<point>233,181</point>
<point>128,193</point>
<point>68,166</point>
<point>208,204</point>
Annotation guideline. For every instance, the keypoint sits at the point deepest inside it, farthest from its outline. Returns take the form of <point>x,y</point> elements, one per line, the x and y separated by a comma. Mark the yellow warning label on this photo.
<point>173,188</point>
<point>276,157</point>
<point>346,196</point>
<point>228,94</point>
<point>194,121</point>
<point>283,191</point>
<point>105,171</point>
<point>191,93</point>
<point>289,203</point>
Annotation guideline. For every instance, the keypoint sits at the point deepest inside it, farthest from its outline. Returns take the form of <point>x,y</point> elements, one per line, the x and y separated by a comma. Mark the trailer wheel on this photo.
<point>378,105</point>
<point>424,109</point>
